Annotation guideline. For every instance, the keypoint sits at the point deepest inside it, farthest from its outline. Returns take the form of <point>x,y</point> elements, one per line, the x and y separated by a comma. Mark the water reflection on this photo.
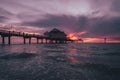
<point>72,52</point>
<point>72,59</point>
<point>60,62</point>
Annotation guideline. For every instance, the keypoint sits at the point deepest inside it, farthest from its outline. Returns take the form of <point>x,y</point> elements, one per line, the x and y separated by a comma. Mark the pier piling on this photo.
<point>9,40</point>
<point>29,40</point>
<point>3,40</point>
<point>24,40</point>
<point>37,40</point>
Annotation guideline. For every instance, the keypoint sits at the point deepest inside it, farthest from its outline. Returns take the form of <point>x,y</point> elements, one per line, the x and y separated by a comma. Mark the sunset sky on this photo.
<point>91,20</point>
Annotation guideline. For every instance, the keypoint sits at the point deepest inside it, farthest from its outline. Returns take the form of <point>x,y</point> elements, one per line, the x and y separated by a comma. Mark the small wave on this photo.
<point>57,58</point>
<point>56,51</point>
<point>109,54</point>
<point>17,56</point>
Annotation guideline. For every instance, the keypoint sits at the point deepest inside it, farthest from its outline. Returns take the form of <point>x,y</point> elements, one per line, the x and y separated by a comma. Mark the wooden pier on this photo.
<point>8,34</point>
<point>43,39</point>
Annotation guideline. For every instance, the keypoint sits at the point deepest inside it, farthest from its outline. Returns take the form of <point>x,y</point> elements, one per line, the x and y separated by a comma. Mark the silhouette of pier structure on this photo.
<point>105,40</point>
<point>9,34</point>
<point>54,36</point>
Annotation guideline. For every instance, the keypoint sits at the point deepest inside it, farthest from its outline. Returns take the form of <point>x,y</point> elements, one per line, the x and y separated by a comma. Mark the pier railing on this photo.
<point>9,34</point>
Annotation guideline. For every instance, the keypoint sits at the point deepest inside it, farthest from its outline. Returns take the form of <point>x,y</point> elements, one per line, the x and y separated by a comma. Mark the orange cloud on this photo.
<point>72,36</point>
<point>93,40</point>
<point>75,36</point>
<point>81,33</point>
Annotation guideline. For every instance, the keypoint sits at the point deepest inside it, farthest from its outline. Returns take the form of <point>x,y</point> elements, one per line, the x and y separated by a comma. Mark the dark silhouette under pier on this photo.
<point>105,40</point>
<point>54,36</point>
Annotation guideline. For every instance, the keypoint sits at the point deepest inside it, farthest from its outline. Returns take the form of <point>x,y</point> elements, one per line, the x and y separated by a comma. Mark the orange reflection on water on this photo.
<point>72,50</point>
<point>72,59</point>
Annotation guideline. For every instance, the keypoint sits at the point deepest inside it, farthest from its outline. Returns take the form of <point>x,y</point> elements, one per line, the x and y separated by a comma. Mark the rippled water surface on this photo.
<point>60,62</point>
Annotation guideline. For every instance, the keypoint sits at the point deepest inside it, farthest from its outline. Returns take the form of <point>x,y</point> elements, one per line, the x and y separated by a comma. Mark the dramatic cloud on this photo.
<point>81,18</point>
<point>5,12</point>
<point>116,5</point>
<point>102,27</point>
<point>107,26</point>
<point>53,21</point>
<point>67,22</point>
<point>4,15</point>
<point>3,19</point>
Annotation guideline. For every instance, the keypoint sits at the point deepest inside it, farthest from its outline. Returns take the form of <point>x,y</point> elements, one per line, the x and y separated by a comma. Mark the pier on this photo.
<point>8,34</point>
<point>53,36</point>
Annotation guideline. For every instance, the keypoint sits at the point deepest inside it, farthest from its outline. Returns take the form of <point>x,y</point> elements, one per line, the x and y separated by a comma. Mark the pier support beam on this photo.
<point>9,40</point>
<point>105,40</point>
<point>24,40</point>
<point>29,40</point>
<point>56,41</point>
<point>46,41</point>
<point>3,40</point>
<point>37,40</point>
<point>41,40</point>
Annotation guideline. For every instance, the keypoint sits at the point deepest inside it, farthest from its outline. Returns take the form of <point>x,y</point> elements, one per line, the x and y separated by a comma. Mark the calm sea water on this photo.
<point>60,62</point>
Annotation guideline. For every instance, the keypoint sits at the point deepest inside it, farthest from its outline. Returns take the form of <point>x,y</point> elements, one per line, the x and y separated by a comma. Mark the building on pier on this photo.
<point>56,35</point>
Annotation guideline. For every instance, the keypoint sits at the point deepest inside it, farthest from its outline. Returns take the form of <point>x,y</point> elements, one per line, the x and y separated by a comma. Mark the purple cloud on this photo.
<point>96,17</point>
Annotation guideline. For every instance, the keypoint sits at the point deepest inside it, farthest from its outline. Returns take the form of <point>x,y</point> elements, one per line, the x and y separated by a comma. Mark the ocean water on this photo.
<point>72,61</point>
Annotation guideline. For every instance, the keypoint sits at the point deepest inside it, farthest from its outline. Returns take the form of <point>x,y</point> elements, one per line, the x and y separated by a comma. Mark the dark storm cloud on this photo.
<point>116,5</point>
<point>3,19</point>
<point>72,23</point>
<point>16,5</point>
<point>103,27</point>
<point>5,12</point>
<point>53,21</point>
<point>81,24</point>
<point>4,15</point>
<point>106,26</point>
